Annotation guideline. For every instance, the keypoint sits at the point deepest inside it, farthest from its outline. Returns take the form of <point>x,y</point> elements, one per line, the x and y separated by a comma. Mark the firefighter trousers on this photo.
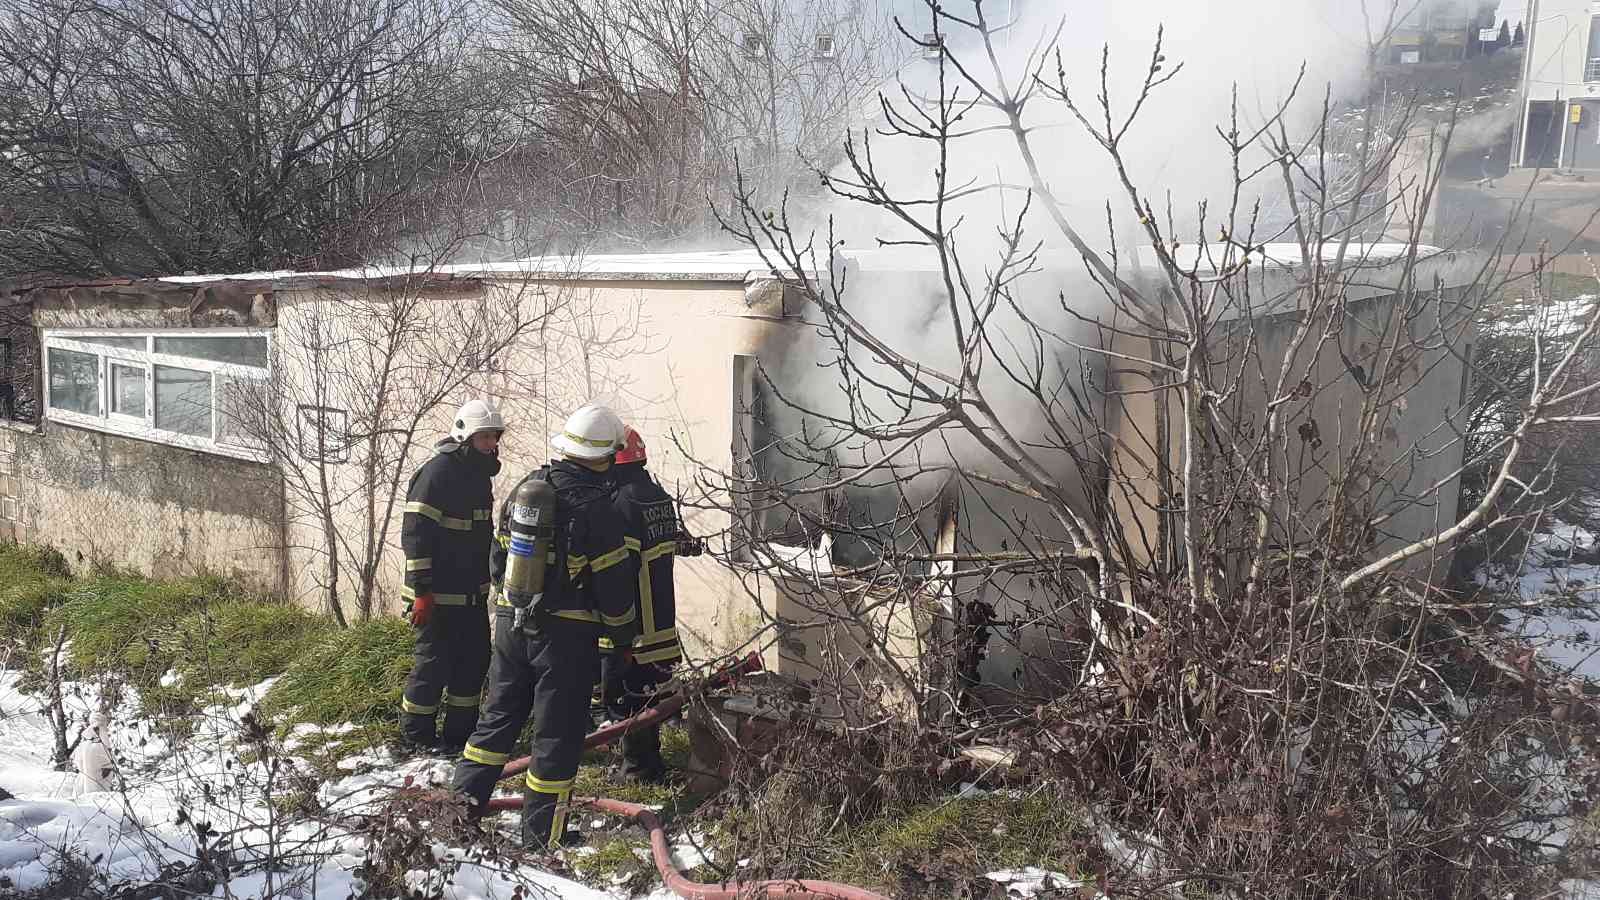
<point>549,674</point>
<point>447,667</point>
<point>629,687</point>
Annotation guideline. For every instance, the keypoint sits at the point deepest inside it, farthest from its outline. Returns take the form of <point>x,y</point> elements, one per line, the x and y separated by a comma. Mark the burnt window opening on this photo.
<point>8,389</point>
<point>20,360</point>
<point>832,528</point>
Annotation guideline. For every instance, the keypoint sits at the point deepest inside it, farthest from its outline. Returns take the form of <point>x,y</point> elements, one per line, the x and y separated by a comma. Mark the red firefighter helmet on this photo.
<point>632,448</point>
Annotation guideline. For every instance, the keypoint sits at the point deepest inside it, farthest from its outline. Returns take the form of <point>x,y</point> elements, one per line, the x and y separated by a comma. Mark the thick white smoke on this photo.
<point>1172,152</point>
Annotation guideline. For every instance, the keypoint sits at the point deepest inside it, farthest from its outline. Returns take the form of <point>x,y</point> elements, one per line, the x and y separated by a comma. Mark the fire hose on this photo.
<point>799,889</point>
<point>655,715</point>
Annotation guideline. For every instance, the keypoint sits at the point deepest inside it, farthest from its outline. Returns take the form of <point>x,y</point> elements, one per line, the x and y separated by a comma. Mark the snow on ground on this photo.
<point>1566,625</point>
<point>130,834</point>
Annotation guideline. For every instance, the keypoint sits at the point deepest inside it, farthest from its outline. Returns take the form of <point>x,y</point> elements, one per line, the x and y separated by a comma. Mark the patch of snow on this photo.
<point>687,852</point>
<point>1566,627</point>
<point>1140,854</point>
<point>130,833</point>
<point>92,758</point>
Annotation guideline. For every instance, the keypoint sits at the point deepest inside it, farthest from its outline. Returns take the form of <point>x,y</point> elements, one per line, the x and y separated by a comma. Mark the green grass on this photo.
<point>969,835</point>
<point>1554,285</point>
<point>599,774</point>
<point>124,625</point>
<point>615,857</point>
<point>940,847</point>
<point>243,642</point>
<point>33,580</point>
<point>134,629</point>
<point>353,674</point>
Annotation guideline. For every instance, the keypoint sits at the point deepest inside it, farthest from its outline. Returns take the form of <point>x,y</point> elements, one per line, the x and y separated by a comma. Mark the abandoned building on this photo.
<point>225,424</point>
<point>1557,125</point>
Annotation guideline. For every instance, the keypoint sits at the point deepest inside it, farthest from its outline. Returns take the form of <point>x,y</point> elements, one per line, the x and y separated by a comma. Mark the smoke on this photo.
<point>1172,151</point>
<point>1221,55</point>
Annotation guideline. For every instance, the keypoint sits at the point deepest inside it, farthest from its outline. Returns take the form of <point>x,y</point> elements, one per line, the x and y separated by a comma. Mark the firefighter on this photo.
<point>446,533</point>
<point>546,642</point>
<point>631,676</point>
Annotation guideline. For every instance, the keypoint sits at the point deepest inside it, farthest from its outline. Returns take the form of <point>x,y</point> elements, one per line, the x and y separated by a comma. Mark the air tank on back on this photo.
<point>532,527</point>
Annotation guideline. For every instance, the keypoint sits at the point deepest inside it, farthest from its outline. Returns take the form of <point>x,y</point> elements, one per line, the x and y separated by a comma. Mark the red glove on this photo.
<point>421,610</point>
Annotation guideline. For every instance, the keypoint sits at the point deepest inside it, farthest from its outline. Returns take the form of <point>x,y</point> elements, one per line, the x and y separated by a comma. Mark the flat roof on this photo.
<point>1287,255</point>
<point>732,266</point>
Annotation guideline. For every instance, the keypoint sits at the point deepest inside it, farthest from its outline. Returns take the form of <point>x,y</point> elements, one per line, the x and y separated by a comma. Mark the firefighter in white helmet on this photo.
<point>447,533</point>
<point>546,636</point>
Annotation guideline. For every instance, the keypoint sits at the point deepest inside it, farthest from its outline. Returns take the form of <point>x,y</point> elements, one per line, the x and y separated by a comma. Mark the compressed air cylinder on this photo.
<point>532,527</point>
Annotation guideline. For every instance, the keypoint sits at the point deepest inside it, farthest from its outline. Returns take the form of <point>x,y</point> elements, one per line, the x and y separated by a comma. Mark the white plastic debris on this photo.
<point>1028,881</point>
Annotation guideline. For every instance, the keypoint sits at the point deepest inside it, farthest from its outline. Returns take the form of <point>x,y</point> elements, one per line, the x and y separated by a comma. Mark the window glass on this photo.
<point>127,390</point>
<point>183,401</point>
<point>241,351</point>
<point>243,411</point>
<point>75,381</point>
<point>123,343</point>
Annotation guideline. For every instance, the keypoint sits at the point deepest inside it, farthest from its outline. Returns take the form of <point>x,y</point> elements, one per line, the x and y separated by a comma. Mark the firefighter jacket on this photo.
<point>651,519</point>
<point>595,584</point>
<point>446,531</point>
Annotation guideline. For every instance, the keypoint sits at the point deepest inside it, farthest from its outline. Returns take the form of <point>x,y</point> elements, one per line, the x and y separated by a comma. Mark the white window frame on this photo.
<point>147,359</point>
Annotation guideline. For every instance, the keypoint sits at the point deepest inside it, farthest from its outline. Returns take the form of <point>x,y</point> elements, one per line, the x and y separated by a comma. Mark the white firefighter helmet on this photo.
<point>593,432</point>
<point>475,416</point>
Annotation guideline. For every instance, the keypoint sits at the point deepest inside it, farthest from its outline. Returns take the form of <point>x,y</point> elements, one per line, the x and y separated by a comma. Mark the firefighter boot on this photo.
<point>544,819</point>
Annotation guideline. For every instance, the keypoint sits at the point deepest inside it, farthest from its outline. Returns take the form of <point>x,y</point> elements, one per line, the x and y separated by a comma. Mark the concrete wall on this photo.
<point>107,499</point>
<point>661,353</point>
<point>104,499</point>
<point>1554,66</point>
<point>1558,50</point>
<point>1412,440</point>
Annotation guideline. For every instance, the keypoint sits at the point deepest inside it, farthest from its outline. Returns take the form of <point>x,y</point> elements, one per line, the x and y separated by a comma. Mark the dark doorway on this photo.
<point>1542,139</point>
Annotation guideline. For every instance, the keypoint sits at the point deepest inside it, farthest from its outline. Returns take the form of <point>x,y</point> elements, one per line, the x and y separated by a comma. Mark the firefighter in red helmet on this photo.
<point>630,676</point>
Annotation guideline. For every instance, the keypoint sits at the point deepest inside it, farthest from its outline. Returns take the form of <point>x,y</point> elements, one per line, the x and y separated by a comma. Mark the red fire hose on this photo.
<point>682,886</point>
<point>799,889</point>
<point>662,711</point>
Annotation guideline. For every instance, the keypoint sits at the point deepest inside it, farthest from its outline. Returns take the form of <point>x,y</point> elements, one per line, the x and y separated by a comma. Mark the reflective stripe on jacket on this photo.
<point>446,529</point>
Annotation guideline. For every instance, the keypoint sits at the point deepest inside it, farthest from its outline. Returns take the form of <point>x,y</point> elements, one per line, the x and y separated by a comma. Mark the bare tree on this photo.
<point>641,109</point>
<point>1200,487</point>
<point>216,135</point>
<point>363,367</point>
